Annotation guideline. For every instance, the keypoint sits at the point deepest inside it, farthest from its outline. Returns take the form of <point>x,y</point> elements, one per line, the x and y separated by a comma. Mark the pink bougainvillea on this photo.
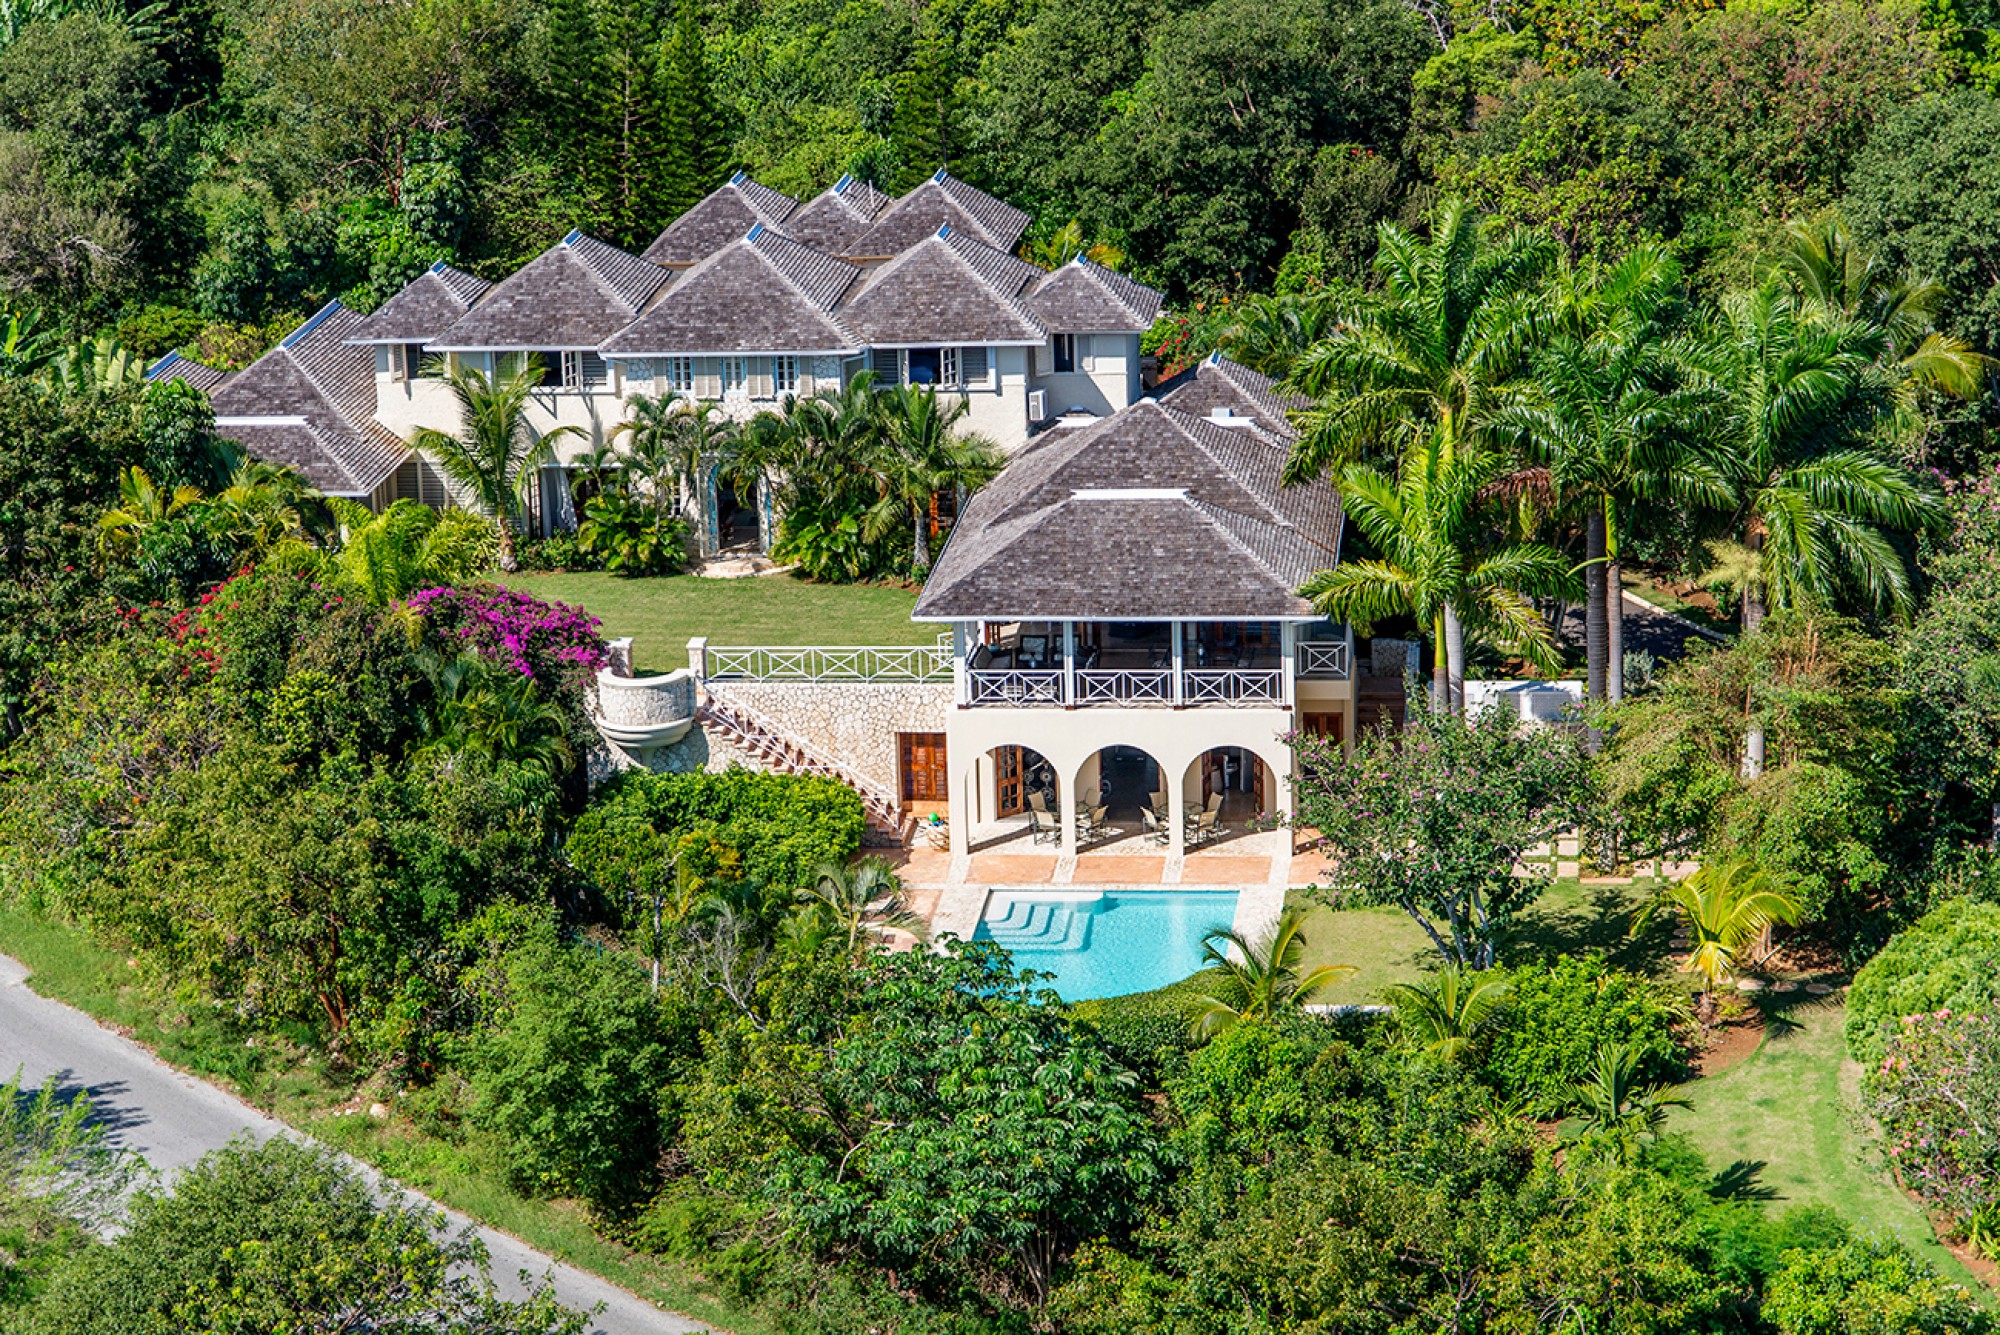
<point>546,641</point>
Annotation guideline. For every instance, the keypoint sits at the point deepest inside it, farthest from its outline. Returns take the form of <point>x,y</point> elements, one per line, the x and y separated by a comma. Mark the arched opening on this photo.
<point>1229,792</point>
<point>1120,791</point>
<point>1014,801</point>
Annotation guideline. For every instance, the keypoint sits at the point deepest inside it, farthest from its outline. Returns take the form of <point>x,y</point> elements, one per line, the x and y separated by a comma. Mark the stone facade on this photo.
<point>854,722</point>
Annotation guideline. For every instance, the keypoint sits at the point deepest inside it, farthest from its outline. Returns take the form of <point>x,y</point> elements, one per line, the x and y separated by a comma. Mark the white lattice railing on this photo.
<point>857,663</point>
<point>1325,658</point>
<point>1125,686</point>
<point>1233,686</point>
<point>1014,686</point>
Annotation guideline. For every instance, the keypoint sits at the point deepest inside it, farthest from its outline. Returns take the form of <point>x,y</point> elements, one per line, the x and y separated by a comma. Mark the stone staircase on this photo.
<point>783,751</point>
<point>1038,924</point>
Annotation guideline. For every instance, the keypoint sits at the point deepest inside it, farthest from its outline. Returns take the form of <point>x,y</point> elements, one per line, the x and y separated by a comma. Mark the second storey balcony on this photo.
<point>1156,664</point>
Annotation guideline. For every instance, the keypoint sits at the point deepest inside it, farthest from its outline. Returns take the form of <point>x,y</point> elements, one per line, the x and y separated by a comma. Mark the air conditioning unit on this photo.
<point>1038,405</point>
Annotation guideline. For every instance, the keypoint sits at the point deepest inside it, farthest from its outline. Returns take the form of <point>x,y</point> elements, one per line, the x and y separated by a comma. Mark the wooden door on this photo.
<point>1256,782</point>
<point>1332,727</point>
<point>924,769</point>
<point>1007,777</point>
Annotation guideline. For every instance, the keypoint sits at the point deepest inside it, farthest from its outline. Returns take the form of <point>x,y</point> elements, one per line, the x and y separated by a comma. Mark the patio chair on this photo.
<point>1155,832</point>
<point>1038,801</point>
<point>1202,829</point>
<point>1042,830</point>
<point>1214,802</point>
<point>1090,824</point>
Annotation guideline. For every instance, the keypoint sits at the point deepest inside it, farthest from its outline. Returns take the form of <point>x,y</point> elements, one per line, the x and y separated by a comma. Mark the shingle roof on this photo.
<point>942,201</point>
<point>947,288</point>
<point>763,293</point>
<point>573,295</point>
<point>729,211</point>
<point>833,219</point>
<point>1083,297</point>
<point>309,405</point>
<point>428,305</point>
<point>1216,382</point>
<point>173,366</point>
<point>1148,513</point>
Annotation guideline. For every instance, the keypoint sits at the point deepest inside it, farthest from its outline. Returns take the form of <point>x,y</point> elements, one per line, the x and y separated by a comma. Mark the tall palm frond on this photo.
<point>1261,978</point>
<point>1446,1013</point>
<point>494,454</point>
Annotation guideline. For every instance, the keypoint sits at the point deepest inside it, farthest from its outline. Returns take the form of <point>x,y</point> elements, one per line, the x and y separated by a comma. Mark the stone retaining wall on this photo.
<point>854,722</point>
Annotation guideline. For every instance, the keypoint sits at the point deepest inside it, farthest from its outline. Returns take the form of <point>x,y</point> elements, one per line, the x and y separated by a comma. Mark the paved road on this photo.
<point>173,1119</point>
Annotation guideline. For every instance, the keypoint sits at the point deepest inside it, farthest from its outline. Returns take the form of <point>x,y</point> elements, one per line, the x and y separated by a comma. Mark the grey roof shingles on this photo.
<point>1150,513</point>
<point>836,217</point>
<point>428,305</point>
<point>1216,382</point>
<point>763,293</point>
<point>308,404</point>
<point>946,289</point>
<point>722,216</point>
<point>942,201</point>
<point>573,295</point>
<point>1084,297</point>
<point>173,366</point>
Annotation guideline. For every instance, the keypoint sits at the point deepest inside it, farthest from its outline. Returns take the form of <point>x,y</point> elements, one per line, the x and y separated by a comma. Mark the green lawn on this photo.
<point>1793,1108</point>
<point>663,614</point>
<point>1387,947</point>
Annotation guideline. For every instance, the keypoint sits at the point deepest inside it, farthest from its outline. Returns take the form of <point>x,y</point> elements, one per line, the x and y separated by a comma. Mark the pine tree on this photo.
<point>926,130</point>
<point>574,74</point>
<point>637,142</point>
<point>695,156</point>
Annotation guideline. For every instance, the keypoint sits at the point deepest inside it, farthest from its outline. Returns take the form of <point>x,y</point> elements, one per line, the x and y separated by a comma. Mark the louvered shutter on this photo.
<point>591,373</point>
<point>975,366</point>
<point>760,377</point>
<point>1045,361</point>
<point>1086,352</point>
<point>887,364</point>
<point>707,378</point>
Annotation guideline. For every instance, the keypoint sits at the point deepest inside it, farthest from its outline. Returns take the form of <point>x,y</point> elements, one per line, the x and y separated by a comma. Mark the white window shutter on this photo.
<point>1045,359</point>
<point>707,378</point>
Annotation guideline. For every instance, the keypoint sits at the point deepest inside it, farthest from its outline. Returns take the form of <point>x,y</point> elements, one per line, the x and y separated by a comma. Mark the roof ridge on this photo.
<point>602,280</point>
<point>786,277</point>
<point>1011,301</point>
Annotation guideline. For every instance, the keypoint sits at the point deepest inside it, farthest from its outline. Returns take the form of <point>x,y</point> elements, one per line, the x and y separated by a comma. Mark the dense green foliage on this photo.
<point>1556,1016</point>
<point>1949,960</point>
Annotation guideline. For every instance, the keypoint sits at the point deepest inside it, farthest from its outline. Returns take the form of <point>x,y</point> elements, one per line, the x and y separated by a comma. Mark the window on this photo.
<point>583,370</point>
<point>887,364</point>
<point>557,369</point>
<point>678,372</point>
<point>948,367</point>
<point>784,375</point>
<point>735,375</point>
<point>974,364</point>
<point>1065,352</point>
<point>406,361</point>
<point>925,365</point>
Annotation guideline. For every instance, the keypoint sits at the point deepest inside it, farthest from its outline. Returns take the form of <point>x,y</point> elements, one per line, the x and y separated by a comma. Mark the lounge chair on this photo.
<point>1155,832</point>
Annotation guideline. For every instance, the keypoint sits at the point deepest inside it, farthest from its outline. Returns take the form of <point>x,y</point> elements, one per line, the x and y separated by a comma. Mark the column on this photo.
<point>1066,809</point>
<point>698,657</point>
<point>1179,655</point>
<point>961,690</point>
<point>1288,646</point>
<point>1069,665</point>
<point>959,801</point>
<point>1176,777</point>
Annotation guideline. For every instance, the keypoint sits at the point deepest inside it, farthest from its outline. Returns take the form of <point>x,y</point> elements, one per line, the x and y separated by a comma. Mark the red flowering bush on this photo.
<point>551,642</point>
<point>1937,1093</point>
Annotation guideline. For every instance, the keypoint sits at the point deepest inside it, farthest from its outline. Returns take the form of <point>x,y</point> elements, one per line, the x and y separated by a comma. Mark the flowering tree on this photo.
<point>1434,819</point>
<point>1937,1093</point>
<point>546,641</point>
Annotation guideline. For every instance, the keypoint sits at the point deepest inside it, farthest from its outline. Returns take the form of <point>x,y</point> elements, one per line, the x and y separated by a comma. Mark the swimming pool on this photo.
<point>1105,943</point>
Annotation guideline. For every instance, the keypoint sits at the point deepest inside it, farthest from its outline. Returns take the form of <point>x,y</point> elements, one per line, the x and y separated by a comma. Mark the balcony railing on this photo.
<point>1134,687</point>
<point>1326,659</point>
<point>823,663</point>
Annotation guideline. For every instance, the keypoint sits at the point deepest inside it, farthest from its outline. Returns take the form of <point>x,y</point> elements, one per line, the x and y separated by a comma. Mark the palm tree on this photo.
<point>264,505</point>
<point>1261,979</point>
<point>1065,244</point>
<point>495,453</point>
<point>1796,388</point>
<point>1446,1013</point>
<point>1825,267</point>
<point>1617,1108</point>
<point>672,440</point>
<point>482,710</point>
<point>1728,908</point>
<point>1440,560</point>
<point>918,456</point>
<point>141,507</point>
<point>1426,357</point>
<point>853,901</point>
<point>1605,413</point>
<point>388,556</point>
<point>1270,334</point>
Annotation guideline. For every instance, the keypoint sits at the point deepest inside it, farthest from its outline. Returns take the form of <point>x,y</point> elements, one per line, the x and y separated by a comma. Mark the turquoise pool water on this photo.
<point>1106,944</point>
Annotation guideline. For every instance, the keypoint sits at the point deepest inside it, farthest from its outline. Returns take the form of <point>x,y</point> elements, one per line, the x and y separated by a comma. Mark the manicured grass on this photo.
<point>663,614</point>
<point>1386,947</point>
<point>1792,1109</point>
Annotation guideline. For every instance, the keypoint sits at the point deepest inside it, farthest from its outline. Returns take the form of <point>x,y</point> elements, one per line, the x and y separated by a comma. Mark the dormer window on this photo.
<point>1065,353</point>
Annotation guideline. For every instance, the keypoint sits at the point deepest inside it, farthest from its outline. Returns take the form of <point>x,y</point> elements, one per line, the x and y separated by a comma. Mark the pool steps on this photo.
<point>1028,924</point>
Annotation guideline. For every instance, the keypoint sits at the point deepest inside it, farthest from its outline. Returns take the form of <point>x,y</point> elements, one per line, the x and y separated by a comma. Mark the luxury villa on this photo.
<point>1121,648</point>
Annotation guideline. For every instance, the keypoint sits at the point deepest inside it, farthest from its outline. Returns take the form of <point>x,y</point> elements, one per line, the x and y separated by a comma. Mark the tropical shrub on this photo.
<point>559,551</point>
<point>1868,1287</point>
<point>1147,1031</point>
<point>1948,960</point>
<point>632,535</point>
<point>568,1070</point>
<point>551,642</point>
<point>1557,1015</point>
<point>1937,1093</point>
<point>782,826</point>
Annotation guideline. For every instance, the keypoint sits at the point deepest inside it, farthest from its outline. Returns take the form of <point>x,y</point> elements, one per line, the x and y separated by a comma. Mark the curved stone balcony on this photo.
<point>638,714</point>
